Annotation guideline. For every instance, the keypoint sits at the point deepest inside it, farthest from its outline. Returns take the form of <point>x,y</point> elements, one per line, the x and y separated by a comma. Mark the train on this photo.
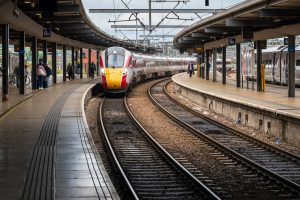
<point>120,69</point>
<point>276,63</point>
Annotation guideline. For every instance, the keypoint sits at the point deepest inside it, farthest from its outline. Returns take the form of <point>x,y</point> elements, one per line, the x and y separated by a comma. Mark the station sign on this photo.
<point>181,50</point>
<point>231,41</point>
<point>47,32</point>
<point>263,44</point>
<point>285,41</point>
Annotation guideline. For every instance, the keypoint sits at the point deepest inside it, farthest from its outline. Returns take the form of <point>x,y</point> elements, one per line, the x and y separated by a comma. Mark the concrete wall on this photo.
<point>285,127</point>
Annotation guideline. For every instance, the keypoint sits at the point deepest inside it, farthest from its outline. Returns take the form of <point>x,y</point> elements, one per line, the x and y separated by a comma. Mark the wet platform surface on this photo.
<point>274,99</point>
<point>46,150</point>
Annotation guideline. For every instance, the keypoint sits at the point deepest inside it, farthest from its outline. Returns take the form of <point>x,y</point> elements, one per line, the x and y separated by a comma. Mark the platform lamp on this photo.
<point>206,2</point>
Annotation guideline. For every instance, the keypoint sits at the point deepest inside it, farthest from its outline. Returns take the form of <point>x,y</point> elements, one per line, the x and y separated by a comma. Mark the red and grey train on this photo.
<point>120,68</point>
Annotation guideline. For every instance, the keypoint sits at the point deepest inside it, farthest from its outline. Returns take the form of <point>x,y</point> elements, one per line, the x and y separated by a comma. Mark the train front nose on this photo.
<point>114,78</point>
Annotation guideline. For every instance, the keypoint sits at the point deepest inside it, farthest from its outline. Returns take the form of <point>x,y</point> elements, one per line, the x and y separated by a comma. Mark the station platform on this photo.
<point>271,111</point>
<point>15,98</point>
<point>46,149</point>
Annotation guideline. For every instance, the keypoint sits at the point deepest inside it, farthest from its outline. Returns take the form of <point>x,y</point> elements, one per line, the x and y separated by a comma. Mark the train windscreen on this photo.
<point>115,57</point>
<point>115,61</point>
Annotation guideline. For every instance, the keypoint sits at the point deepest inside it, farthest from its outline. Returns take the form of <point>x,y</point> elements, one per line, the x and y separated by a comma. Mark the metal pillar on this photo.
<point>150,28</point>
<point>202,68</point>
<point>73,58</point>
<point>5,53</point>
<point>224,65</point>
<point>238,65</point>
<point>54,73</point>
<point>98,61</point>
<point>34,62</point>
<point>45,48</point>
<point>90,58</point>
<point>64,63</point>
<point>76,56</point>
<point>21,62</point>
<point>258,62</point>
<point>207,65</point>
<point>291,70</point>
<point>81,62</point>
<point>214,65</point>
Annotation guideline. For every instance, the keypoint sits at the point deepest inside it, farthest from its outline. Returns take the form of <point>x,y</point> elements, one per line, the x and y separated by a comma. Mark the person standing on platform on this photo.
<point>48,74</point>
<point>92,69</point>
<point>78,66</point>
<point>191,69</point>
<point>16,74</point>
<point>41,73</point>
<point>70,71</point>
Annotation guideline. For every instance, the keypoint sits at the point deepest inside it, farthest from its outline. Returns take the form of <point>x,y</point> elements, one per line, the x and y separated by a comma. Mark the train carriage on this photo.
<point>120,68</point>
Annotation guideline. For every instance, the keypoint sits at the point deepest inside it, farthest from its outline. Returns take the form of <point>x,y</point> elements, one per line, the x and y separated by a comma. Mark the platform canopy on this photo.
<point>251,20</point>
<point>71,21</point>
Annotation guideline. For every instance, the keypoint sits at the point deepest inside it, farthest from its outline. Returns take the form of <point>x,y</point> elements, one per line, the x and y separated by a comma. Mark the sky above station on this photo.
<point>102,19</point>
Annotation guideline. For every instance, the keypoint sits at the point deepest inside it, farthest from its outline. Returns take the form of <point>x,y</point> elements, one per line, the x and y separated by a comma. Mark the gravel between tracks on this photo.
<point>174,138</point>
<point>91,111</point>
<point>258,134</point>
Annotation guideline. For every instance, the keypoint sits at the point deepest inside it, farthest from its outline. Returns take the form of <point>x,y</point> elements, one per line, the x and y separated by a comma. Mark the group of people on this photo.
<point>43,72</point>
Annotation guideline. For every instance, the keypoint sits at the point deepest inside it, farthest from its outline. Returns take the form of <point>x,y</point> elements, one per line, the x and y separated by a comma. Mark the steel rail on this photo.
<point>128,184</point>
<point>231,129</point>
<point>198,133</point>
<point>168,155</point>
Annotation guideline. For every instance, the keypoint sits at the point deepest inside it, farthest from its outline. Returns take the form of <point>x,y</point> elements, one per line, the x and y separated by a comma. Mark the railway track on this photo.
<point>147,169</point>
<point>274,169</point>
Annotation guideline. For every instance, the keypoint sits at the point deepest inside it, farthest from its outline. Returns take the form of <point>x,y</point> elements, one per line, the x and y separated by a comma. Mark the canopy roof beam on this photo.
<point>154,10</point>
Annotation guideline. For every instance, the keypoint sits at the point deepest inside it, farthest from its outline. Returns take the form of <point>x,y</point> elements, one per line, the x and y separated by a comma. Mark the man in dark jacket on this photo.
<point>191,69</point>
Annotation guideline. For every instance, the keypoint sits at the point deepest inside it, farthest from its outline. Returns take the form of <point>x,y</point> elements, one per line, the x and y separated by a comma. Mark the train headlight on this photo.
<point>125,70</point>
<point>102,71</point>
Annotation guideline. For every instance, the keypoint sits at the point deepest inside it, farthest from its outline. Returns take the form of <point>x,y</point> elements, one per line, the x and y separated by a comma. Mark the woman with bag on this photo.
<point>41,73</point>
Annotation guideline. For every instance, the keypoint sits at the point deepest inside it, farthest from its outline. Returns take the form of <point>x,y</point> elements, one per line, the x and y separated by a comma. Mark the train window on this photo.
<point>298,62</point>
<point>115,61</point>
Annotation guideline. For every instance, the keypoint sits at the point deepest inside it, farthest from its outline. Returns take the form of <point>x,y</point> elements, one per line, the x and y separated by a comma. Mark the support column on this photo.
<point>21,62</point>
<point>291,70</point>
<point>98,62</point>
<point>76,56</point>
<point>34,62</point>
<point>207,65</point>
<point>45,48</point>
<point>81,62</point>
<point>202,68</point>
<point>224,65</point>
<point>258,62</point>
<point>54,62</point>
<point>64,63</point>
<point>73,58</point>
<point>5,70</point>
<point>238,65</point>
<point>90,58</point>
<point>214,65</point>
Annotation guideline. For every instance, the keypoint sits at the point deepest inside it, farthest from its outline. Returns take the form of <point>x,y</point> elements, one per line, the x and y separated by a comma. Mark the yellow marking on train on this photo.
<point>114,78</point>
